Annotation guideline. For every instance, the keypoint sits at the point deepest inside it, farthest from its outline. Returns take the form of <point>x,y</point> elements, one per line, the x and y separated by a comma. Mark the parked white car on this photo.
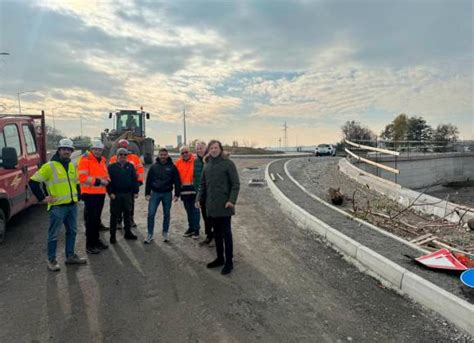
<point>325,149</point>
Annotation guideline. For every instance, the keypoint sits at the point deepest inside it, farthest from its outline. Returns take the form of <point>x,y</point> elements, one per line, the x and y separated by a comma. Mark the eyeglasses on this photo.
<point>122,154</point>
<point>184,152</point>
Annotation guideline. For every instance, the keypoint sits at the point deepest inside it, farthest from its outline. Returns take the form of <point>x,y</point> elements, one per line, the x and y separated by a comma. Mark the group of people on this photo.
<point>207,183</point>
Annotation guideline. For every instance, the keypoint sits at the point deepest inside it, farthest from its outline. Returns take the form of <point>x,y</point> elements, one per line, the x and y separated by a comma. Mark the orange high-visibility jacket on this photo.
<point>89,169</point>
<point>186,170</point>
<point>137,163</point>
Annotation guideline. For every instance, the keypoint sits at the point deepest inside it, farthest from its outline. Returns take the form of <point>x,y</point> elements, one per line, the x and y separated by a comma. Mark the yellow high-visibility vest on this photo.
<point>60,184</point>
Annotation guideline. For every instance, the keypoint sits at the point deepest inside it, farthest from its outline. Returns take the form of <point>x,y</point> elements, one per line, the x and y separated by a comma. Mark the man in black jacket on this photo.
<point>122,188</point>
<point>160,180</point>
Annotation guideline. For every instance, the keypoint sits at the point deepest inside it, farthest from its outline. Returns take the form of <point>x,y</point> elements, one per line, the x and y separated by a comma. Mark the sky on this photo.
<point>241,69</point>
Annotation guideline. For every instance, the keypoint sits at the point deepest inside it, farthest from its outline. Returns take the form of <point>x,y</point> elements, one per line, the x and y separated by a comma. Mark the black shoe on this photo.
<point>206,241</point>
<point>130,236</point>
<point>113,240</point>
<point>226,270</point>
<point>102,227</point>
<point>92,250</point>
<point>216,263</point>
<point>189,233</point>
<point>133,225</point>
<point>101,245</point>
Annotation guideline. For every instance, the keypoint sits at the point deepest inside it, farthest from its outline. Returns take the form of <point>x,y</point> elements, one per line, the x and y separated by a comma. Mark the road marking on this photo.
<point>280,177</point>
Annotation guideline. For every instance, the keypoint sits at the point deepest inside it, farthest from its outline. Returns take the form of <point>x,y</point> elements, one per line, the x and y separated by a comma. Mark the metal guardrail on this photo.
<point>377,150</point>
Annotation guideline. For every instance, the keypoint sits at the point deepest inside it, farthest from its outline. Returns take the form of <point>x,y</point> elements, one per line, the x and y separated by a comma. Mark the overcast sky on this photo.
<point>240,68</point>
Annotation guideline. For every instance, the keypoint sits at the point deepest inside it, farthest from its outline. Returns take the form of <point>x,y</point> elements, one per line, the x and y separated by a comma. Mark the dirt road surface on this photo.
<point>286,286</point>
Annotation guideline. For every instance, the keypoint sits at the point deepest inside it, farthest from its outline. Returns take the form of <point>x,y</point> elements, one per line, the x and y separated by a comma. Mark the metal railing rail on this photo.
<point>378,165</point>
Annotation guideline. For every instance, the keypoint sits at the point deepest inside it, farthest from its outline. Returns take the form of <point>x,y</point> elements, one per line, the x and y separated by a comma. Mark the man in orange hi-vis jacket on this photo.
<point>93,177</point>
<point>185,166</point>
<point>139,169</point>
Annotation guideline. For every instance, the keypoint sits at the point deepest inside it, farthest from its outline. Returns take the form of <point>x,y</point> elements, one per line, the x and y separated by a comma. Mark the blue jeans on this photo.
<point>58,215</point>
<point>156,198</point>
<point>193,213</point>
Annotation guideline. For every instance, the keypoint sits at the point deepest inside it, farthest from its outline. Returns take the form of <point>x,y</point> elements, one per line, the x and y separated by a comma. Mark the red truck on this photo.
<point>23,151</point>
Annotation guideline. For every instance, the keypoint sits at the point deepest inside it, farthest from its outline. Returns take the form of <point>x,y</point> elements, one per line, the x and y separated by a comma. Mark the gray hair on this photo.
<point>184,147</point>
<point>201,143</point>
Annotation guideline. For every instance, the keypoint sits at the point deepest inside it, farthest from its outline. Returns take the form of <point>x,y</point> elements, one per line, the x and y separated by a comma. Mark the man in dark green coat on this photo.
<point>201,151</point>
<point>220,188</point>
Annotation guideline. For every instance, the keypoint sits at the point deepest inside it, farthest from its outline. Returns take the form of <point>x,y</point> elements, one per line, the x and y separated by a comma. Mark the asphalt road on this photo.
<point>286,287</point>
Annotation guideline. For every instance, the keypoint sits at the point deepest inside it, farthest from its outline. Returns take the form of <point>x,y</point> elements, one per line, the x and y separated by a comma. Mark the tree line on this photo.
<point>53,136</point>
<point>403,128</point>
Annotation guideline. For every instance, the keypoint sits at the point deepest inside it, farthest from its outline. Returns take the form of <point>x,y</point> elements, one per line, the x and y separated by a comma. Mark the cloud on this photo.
<point>236,65</point>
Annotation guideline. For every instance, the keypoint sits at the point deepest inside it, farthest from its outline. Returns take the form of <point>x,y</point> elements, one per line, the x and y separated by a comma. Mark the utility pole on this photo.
<point>279,141</point>
<point>81,126</point>
<point>184,126</point>
<point>285,137</point>
<point>19,103</point>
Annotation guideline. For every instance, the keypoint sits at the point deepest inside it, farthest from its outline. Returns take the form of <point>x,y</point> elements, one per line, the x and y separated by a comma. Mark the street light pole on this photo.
<point>52,115</point>
<point>18,94</point>
<point>184,125</point>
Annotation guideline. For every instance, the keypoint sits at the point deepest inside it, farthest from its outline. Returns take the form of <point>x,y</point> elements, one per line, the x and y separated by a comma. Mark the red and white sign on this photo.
<point>441,259</point>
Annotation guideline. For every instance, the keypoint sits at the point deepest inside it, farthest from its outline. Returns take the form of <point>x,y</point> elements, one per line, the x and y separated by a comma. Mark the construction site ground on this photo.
<point>318,174</point>
<point>287,286</point>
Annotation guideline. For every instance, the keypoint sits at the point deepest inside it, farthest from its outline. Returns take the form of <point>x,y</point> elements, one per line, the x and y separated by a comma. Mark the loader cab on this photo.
<point>126,120</point>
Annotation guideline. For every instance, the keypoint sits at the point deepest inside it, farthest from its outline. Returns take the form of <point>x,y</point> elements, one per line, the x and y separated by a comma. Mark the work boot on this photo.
<point>130,235</point>
<point>102,227</point>
<point>92,250</point>
<point>113,240</point>
<point>74,259</point>
<point>188,233</point>
<point>227,269</point>
<point>53,265</point>
<point>206,241</point>
<point>101,245</point>
<point>216,263</point>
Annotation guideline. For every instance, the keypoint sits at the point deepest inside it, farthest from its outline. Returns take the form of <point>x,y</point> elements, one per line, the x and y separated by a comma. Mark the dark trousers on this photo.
<point>132,212</point>
<point>207,221</point>
<point>120,207</point>
<point>223,237</point>
<point>94,203</point>
<point>192,212</point>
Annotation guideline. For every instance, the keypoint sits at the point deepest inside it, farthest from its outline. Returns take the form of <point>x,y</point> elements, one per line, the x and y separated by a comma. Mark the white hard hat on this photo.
<point>66,143</point>
<point>97,145</point>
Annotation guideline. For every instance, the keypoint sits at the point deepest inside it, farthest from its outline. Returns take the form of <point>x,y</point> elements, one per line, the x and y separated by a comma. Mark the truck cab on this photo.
<point>23,151</point>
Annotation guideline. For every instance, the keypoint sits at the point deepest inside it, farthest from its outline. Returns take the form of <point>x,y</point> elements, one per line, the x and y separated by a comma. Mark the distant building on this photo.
<point>179,141</point>
<point>169,147</point>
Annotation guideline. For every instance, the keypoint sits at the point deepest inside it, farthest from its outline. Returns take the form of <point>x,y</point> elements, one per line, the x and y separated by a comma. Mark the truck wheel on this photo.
<point>3,225</point>
<point>149,150</point>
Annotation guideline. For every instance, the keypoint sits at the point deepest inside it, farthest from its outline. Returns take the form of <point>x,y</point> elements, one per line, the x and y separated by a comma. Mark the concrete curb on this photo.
<point>454,309</point>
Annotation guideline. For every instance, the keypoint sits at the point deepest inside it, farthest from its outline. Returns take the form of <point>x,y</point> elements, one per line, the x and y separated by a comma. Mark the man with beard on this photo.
<point>161,179</point>
<point>60,177</point>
